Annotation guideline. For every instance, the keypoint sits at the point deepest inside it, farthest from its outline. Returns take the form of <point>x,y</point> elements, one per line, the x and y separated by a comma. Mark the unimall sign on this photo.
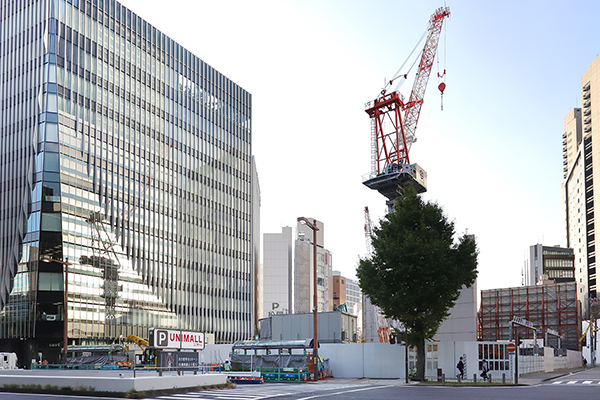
<point>175,339</point>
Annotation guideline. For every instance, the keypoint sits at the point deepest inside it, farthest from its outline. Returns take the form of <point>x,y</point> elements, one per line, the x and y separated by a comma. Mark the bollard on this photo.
<point>474,378</point>
<point>458,378</point>
<point>443,379</point>
<point>490,379</point>
<point>504,378</point>
<point>195,372</point>
<point>160,372</point>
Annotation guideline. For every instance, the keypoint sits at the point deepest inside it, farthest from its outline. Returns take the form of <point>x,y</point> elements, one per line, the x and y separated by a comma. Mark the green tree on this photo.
<point>416,269</point>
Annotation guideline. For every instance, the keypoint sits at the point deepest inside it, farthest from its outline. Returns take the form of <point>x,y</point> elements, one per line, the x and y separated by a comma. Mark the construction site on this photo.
<point>393,131</point>
<point>551,307</point>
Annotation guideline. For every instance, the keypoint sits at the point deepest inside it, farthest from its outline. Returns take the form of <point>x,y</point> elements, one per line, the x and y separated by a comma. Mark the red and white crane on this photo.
<point>394,122</point>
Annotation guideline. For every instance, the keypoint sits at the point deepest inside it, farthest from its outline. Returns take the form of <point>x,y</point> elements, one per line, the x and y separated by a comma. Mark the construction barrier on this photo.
<point>285,374</point>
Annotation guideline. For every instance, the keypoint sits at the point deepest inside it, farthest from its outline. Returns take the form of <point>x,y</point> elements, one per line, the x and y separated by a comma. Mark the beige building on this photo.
<point>581,158</point>
<point>304,271</point>
<point>339,289</point>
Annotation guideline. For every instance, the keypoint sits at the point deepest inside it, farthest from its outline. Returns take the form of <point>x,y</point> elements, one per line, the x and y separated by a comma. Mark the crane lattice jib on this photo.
<point>413,106</point>
<point>368,231</point>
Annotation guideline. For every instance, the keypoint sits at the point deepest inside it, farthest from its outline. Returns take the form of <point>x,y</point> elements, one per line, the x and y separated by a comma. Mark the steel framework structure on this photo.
<point>552,306</point>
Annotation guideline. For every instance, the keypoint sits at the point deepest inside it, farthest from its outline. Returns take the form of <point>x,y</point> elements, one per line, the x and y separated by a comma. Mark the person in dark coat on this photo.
<point>461,368</point>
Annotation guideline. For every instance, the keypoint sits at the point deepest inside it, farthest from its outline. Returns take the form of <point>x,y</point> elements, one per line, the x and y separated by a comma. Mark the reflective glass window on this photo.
<point>51,191</point>
<point>51,162</point>
<point>51,132</point>
<point>52,281</point>
<point>51,222</point>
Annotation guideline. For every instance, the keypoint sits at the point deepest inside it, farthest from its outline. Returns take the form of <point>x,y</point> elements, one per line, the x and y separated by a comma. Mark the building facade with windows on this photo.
<point>581,159</point>
<point>554,263</point>
<point>277,273</point>
<point>339,289</point>
<point>353,297</point>
<point>304,270</point>
<point>127,198</point>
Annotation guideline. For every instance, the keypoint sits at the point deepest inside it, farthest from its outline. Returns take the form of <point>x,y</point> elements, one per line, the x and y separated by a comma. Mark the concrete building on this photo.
<point>461,325</point>
<point>552,262</point>
<point>277,273</point>
<point>304,271</point>
<point>581,158</point>
<point>128,197</point>
<point>339,289</point>
<point>256,264</point>
<point>353,297</point>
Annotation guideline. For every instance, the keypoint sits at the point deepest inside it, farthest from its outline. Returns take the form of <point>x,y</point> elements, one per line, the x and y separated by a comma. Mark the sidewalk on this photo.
<point>526,379</point>
<point>539,377</point>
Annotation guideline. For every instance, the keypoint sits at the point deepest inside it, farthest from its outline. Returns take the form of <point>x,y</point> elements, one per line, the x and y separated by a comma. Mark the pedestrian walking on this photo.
<point>461,368</point>
<point>484,368</point>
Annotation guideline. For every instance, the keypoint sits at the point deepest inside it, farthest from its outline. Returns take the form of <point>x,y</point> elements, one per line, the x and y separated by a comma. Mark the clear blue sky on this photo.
<point>493,156</point>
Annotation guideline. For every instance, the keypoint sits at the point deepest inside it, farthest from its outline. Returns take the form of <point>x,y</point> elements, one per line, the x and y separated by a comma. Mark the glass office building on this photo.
<point>126,186</point>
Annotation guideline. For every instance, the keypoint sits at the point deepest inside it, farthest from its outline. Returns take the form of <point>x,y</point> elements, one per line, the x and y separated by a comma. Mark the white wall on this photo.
<point>365,360</point>
<point>461,325</point>
<point>387,361</point>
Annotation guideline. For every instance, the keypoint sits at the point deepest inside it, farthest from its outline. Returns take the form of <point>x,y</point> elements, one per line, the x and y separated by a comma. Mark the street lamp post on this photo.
<point>314,228</point>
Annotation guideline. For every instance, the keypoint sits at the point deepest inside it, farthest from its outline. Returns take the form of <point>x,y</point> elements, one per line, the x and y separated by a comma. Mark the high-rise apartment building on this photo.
<point>127,197</point>
<point>581,159</point>
<point>277,273</point>
<point>555,262</point>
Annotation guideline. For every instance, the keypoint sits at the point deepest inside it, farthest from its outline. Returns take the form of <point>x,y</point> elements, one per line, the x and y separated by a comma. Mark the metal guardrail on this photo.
<point>285,374</point>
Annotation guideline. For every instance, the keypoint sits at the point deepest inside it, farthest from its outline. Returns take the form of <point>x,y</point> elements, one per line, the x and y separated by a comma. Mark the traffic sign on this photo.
<point>511,347</point>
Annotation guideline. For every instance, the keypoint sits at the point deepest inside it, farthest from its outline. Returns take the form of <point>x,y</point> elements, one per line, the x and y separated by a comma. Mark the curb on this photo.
<point>561,375</point>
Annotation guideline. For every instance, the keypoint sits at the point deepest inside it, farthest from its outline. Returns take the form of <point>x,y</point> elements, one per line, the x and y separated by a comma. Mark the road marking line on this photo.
<point>343,392</point>
<point>557,382</point>
<point>587,382</point>
<point>571,382</point>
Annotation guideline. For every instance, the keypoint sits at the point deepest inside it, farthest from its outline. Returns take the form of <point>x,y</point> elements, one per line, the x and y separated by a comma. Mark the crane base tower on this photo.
<point>395,179</point>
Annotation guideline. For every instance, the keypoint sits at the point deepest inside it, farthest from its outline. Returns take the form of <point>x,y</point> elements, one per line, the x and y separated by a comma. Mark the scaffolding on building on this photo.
<point>552,306</point>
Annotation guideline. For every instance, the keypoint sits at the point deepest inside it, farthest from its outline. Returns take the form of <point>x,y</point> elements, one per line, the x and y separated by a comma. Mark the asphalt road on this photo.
<point>583,385</point>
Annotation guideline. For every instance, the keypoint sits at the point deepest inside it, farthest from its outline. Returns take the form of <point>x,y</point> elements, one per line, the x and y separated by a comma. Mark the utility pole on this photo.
<point>517,342</point>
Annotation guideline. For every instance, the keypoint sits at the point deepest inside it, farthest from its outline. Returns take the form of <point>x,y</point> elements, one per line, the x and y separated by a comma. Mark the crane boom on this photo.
<point>393,125</point>
<point>413,106</point>
<point>142,343</point>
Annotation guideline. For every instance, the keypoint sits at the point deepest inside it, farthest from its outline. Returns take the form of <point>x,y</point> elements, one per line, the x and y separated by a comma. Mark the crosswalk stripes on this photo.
<point>253,392</point>
<point>577,382</point>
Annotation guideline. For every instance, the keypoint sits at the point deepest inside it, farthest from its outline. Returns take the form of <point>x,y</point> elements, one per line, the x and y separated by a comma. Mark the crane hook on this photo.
<point>442,87</point>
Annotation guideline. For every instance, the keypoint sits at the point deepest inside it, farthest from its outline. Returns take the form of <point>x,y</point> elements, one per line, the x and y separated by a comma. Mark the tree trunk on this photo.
<point>420,368</point>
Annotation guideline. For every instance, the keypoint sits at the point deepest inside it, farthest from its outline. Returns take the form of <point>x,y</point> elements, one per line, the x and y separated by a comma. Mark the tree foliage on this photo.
<point>416,270</point>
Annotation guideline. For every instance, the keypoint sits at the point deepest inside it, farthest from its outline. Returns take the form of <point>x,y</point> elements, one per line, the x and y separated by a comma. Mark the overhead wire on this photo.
<point>397,74</point>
